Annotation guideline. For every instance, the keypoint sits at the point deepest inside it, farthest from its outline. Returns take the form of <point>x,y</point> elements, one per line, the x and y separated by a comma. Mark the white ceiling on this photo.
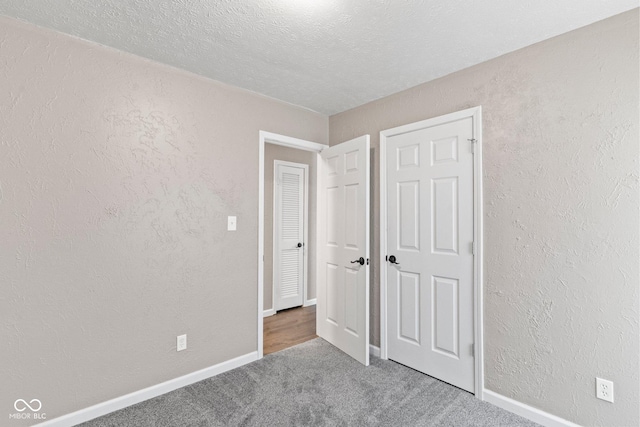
<point>326,55</point>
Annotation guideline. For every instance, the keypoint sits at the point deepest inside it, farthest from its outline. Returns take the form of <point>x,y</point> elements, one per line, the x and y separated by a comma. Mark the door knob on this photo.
<point>392,260</point>
<point>359,261</point>
<point>299,245</point>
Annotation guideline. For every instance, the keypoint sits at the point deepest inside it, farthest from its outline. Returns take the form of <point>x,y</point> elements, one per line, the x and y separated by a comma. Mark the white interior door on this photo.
<point>342,316</point>
<point>430,303</point>
<point>289,215</point>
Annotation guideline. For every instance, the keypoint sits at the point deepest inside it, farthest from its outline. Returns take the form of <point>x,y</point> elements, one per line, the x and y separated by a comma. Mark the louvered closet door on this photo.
<point>288,239</point>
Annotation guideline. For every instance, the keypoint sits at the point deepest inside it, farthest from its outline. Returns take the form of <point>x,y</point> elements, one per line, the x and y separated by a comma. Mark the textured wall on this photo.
<point>561,213</point>
<point>116,178</point>
<point>277,152</point>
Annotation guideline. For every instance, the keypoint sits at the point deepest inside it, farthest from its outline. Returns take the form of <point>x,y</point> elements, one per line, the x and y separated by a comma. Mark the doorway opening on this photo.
<point>280,154</point>
<point>342,229</point>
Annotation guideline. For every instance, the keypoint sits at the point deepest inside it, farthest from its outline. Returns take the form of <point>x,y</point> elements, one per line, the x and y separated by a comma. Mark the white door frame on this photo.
<point>286,141</point>
<point>476,115</point>
<point>305,229</point>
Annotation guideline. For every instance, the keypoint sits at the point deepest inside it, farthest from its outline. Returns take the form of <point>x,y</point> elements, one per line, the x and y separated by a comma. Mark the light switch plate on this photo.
<point>181,342</point>
<point>231,223</point>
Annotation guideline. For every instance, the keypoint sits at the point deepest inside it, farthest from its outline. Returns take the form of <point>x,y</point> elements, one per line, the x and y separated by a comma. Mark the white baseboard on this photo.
<point>374,351</point>
<point>121,402</point>
<point>268,312</point>
<point>309,302</point>
<point>525,411</point>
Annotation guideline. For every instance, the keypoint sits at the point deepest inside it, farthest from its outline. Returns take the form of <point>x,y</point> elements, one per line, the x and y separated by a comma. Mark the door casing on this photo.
<point>476,114</point>
<point>286,141</point>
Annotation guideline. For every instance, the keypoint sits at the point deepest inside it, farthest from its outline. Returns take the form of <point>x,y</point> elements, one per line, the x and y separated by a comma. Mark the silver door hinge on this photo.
<point>473,142</point>
<point>473,248</point>
<point>473,349</point>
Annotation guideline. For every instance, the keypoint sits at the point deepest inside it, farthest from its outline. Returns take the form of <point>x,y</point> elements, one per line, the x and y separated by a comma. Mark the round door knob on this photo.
<point>392,259</point>
<point>299,245</point>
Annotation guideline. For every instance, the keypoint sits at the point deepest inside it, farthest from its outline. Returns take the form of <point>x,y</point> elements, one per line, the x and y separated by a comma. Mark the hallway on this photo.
<point>289,327</point>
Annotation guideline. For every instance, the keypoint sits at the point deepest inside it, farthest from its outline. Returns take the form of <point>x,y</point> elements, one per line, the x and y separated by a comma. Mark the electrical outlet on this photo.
<point>181,342</point>
<point>604,389</point>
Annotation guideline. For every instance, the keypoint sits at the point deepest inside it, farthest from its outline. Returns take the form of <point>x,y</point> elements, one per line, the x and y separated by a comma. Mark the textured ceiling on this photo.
<point>326,55</point>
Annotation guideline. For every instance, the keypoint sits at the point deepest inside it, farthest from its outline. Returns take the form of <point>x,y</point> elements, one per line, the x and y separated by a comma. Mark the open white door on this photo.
<point>343,248</point>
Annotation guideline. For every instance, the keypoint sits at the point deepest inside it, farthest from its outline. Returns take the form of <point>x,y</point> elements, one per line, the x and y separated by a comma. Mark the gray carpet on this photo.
<point>315,384</point>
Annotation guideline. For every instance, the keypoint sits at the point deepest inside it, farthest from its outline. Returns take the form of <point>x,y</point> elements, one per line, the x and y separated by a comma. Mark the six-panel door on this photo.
<point>343,235</point>
<point>430,232</point>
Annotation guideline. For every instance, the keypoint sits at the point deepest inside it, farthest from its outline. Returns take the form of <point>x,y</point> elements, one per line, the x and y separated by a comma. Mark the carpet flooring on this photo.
<point>314,384</point>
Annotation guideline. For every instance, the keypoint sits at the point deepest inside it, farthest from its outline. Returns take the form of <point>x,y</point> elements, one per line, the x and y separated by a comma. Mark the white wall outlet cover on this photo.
<point>604,389</point>
<point>181,342</point>
<point>231,223</point>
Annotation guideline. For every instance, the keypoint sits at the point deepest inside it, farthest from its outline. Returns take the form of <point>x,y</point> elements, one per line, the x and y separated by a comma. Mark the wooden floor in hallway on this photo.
<point>289,327</point>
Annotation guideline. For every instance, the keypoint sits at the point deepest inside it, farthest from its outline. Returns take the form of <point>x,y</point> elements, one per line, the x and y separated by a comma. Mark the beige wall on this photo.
<point>117,174</point>
<point>277,152</point>
<point>561,207</point>
<point>116,178</point>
